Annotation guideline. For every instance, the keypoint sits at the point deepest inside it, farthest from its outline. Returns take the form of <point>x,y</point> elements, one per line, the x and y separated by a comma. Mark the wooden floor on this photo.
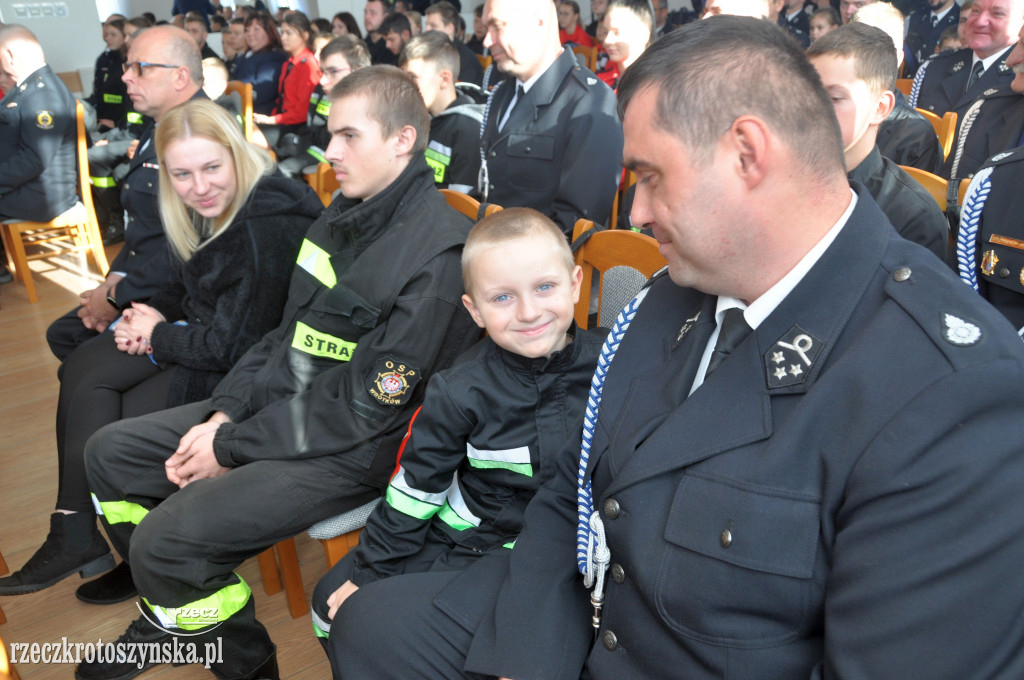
<point>28,488</point>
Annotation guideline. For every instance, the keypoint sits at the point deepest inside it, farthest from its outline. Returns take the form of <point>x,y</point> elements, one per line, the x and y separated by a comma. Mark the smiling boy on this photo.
<point>491,432</point>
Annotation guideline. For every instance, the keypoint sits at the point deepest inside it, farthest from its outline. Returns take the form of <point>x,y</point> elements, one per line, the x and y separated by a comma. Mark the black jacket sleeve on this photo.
<point>398,526</point>
<point>337,412</point>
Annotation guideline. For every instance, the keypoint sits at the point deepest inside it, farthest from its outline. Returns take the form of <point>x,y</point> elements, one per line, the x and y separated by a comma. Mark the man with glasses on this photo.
<point>163,70</point>
<point>37,134</point>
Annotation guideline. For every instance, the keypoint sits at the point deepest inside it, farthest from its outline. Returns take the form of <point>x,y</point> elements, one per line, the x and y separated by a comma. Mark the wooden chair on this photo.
<point>74,231</point>
<point>324,182</point>
<point>7,671</point>
<point>589,53</point>
<point>625,260</point>
<point>467,205</point>
<point>935,185</point>
<point>485,62</point>
<point>945,128</point>
<point>244,92</point>
<point>961,192</point>
<point>620,195</point>
<point>73,81</point>
<point>905,85</point>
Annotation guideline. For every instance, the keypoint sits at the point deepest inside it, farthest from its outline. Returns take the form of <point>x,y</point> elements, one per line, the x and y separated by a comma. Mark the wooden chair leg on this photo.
<point>21,262</point>
<point>337,547</point>
<point>292,577</point>
<point>5,238</point>
<point>269,574</point>
<point>95,240</point>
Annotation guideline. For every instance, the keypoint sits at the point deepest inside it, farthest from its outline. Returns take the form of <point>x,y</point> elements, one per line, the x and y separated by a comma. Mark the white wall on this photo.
<point>71,42</point>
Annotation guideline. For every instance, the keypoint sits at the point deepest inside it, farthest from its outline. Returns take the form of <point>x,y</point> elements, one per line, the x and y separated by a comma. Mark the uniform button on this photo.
<point>1003,272</point>
<point>492,154</point>
<point>618,573</point>
<point>528,149</point>
<point>149,184</point>
<point>725,538</point>
<point>127,186</point>
<point>611,508</point>
<point>131,253</point>
<point>610,642</point>
<point>901,274</point>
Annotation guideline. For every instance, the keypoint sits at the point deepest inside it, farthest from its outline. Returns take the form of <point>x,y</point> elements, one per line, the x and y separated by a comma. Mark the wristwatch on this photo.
<point>113,302</point>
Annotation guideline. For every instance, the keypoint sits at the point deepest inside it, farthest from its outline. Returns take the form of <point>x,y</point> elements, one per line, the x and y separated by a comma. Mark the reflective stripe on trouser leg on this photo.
<point>117,512</point>
<point>210,610</point>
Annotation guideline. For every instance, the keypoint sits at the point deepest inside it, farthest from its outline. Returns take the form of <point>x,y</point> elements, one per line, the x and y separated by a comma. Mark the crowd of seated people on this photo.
<point>252,360</point>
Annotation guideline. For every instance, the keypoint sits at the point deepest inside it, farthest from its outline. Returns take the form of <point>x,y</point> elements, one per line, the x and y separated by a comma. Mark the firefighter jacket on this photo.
<point>487,438</point>
<point>373,309</point>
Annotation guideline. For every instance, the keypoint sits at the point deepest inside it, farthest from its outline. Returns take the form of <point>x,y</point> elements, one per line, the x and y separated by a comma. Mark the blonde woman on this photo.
<point>235,226</point>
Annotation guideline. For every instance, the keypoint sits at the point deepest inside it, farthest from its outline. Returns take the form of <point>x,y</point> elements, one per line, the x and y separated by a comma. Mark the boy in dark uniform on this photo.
<point>454,148</point>
<point>488,437</point>
<point>857,65</point>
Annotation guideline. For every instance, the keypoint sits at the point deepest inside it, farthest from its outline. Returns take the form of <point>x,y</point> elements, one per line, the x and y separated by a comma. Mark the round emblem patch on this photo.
<point>44,120</point>
<point>392,381</point>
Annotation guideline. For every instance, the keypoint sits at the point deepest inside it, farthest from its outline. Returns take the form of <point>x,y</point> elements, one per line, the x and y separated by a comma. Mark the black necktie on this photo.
<point>935,21</point>
<point>975,74</point>
<point>734,329</point>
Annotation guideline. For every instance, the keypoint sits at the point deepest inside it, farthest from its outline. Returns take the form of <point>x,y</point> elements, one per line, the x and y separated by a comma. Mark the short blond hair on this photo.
<point>508,225</point>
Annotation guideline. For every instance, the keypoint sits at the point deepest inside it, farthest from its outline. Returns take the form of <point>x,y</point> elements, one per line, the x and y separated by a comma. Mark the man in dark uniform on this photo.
<point>37,134</point>
<point>993,123</point>
<point>924,28</point>
<point>796,21</point>
<point>774,470</point>
<point>442,16</point>
<point>552,140</point>
<point>307,424</point>
<point>988,254</point>
<point>163,70</point>
<point>950,81</point>
<point>196,26</point>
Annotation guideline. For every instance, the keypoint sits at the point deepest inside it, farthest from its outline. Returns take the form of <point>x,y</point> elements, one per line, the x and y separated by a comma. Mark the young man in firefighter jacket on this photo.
<point>488,436</point>
<point>307,424</point>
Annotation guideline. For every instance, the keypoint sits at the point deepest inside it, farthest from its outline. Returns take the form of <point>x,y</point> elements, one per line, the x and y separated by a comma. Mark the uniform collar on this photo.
<point>560,359</point>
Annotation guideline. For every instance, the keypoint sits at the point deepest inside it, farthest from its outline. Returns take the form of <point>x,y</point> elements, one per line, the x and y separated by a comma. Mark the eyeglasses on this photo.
<point>137,66</point>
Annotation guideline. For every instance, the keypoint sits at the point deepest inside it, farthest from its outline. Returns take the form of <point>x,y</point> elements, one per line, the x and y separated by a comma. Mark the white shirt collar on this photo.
<point>988,61</point>
<point>940,15</point>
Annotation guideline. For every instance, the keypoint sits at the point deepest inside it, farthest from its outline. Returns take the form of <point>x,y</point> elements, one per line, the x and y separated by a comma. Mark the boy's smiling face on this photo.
<point>522,294</point>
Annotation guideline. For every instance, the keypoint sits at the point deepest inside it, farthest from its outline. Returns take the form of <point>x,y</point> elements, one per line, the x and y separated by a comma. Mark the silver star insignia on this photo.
<point>780,372</point>
<point>777,357</point>
<point>958,66</point>
<point>1003,67</point>
<point>795,370</point>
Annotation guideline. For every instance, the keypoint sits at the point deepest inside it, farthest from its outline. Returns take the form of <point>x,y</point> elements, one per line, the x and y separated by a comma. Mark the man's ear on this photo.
<point>473,311</point>
<point>447,80</point>
<point>886,103</point>
<point>748,138</point>
<point>405,140</point>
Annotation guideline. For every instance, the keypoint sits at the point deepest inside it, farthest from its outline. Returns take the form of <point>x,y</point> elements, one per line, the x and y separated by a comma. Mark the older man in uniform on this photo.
<point>950,81</point>
<point>163,70</point>
<point>552,141</point>
<point>993,123</point>
<point>37,134</point>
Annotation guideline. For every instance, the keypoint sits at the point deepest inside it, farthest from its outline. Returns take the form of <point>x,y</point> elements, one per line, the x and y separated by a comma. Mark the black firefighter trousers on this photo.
<point>184,544</point>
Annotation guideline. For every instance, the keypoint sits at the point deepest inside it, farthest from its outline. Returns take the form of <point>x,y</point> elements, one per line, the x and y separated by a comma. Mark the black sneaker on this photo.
<point>113,587</point>
<point>141,631</point>
<point>5,275</point>
<point>73,544</point>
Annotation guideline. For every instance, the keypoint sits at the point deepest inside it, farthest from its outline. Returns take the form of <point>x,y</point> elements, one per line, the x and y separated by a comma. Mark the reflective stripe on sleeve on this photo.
<point>413,502</point>
<point>210,610</point>
<point>514,460</point>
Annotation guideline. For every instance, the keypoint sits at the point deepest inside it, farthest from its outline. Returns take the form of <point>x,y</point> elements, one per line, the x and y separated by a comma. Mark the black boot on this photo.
<point>140,631</point>
<point>73,544</point>
<point>5,275</point>
<point>113,587</point>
